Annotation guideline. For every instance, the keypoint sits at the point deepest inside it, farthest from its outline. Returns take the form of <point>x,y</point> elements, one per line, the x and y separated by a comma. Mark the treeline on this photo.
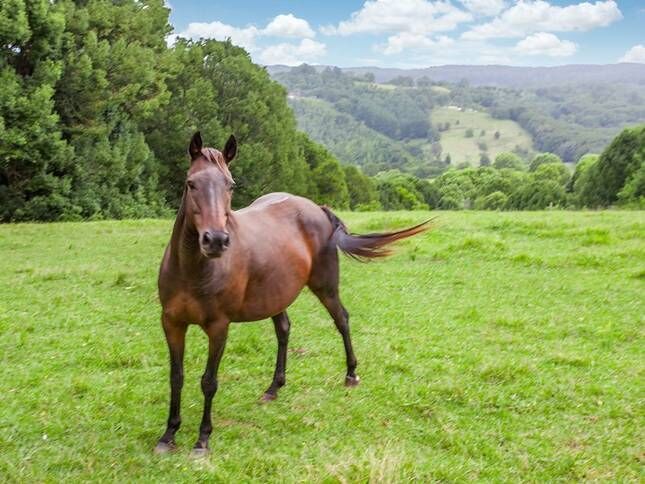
<point>96,112</point>
<point>616,177</point>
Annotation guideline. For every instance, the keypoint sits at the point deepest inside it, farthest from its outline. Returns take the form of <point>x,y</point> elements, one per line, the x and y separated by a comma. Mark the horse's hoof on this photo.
<point>352,381</point>
<point>165,447</point>
<point>199,453</point>
<point>268,397</point>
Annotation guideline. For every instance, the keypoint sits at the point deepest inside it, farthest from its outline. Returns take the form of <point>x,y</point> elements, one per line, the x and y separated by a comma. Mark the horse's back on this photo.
<point>289,214</point>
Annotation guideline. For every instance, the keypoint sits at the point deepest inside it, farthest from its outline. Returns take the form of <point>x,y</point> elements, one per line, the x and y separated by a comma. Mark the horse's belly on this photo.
<point>270,292</point>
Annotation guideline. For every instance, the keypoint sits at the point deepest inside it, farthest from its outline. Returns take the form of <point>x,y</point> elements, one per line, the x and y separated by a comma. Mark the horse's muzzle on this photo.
<point>213,243</point>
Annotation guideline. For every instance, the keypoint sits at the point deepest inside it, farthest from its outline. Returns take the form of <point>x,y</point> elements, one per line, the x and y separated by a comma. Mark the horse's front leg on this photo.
<point>217,332</point>
<point>175,337</point>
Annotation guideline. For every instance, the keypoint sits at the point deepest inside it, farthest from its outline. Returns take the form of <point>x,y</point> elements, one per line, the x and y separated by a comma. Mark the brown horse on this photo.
<point>222,266</point>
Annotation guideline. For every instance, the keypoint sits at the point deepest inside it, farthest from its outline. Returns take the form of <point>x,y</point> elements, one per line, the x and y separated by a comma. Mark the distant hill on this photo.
<point>424,125</point>
<point>505,76</point>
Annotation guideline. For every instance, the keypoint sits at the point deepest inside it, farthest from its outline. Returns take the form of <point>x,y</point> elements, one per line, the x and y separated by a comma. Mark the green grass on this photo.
<point>460,148</point>
<point>498,347</point>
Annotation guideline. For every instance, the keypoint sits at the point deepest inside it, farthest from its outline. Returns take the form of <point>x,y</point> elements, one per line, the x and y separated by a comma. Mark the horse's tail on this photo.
<point>363,247</point>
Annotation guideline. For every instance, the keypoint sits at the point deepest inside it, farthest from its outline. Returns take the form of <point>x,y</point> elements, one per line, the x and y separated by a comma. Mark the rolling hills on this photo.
<point>387,118</point>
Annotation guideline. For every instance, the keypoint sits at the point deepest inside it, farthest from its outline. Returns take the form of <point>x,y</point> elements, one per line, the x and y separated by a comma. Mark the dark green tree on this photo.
<point>361,189</point>
<point>36,166</point>
<point>543,158</point>
<point>619,164</point>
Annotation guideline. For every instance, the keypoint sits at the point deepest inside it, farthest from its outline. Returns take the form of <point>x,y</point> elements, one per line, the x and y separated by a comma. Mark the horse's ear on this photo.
<point>195,147</point>
<point>230,149</point>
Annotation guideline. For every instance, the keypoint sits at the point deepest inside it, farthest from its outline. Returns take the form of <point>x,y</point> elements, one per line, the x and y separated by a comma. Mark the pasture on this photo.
<point>497,347</point>
<point>454,141</point>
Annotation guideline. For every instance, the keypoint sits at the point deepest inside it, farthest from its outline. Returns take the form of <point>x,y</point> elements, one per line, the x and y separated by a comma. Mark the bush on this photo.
<point>492,201</point>
<point>508,160</point>
<point>543,158</point>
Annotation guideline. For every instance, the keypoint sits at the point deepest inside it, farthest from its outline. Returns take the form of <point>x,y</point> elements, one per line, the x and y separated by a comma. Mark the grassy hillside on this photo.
<point>462,149</point>
<point>498,347</point>
<point>347,138</point>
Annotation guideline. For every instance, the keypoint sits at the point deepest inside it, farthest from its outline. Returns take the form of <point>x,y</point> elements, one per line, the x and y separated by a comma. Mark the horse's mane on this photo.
<point>216,157</point>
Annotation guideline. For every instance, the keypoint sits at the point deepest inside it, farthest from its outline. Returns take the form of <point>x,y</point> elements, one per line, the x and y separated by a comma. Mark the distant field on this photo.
<point>440,89</point>
<point>500,347</point>
<point>375,85</point>
<point>462,149</point>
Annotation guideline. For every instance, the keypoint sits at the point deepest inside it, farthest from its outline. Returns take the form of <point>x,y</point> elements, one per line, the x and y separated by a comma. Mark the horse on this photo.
<point>224,266</point>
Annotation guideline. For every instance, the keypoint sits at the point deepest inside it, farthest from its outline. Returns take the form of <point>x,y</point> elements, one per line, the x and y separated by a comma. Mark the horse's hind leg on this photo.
<point>282,325</point>
<point>324,284</point>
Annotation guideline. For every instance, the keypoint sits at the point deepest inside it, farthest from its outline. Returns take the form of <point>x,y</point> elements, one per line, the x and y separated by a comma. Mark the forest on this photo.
<point>96,111</point>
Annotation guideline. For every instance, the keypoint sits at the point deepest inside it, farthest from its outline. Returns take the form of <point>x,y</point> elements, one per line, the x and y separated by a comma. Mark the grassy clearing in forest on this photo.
<point>454,140</point>
<point>499,346</point>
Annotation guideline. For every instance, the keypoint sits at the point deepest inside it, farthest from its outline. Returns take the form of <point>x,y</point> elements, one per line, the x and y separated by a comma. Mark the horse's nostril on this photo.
<point>207,238</point>
<point>225,240</point>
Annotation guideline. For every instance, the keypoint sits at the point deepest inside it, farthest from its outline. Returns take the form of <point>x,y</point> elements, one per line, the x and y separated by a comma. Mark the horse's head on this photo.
<point>208,192</point>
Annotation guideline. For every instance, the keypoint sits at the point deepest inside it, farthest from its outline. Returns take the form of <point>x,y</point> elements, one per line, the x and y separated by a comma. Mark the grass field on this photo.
<point>465,149</point>
<point>498,347</point>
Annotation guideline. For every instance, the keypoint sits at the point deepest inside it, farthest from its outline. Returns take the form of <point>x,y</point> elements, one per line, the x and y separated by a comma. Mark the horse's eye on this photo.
<point>191,185</point>
<point>231,187</point>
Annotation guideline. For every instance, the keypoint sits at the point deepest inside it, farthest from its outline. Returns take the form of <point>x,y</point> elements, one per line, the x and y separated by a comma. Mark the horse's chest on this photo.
<point>183,306</point>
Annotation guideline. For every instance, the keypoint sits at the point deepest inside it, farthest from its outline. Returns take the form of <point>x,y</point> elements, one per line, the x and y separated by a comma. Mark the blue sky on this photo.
<point>420,33</point>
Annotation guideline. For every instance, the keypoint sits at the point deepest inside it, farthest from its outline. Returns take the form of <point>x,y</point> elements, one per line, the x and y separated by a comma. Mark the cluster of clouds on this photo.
<point>301,48</point>
<point>497,30</point>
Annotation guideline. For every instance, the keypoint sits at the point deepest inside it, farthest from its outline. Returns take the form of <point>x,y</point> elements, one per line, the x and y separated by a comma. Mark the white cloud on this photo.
<point>635,54</point>
<point>486,8</point>
<point>281,26</point>
<point>529,16</point>
<point>289,26</point>
<point>410,41</point>
<point>285,25</point>
<point>547,44</point>
<point>293,54</point>
<point>413,16</point>
<point>244,37</point>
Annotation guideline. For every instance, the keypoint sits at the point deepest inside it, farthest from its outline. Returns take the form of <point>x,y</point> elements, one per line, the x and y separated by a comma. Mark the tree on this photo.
<point>492,201</point>
<point>497,134</point>
<point>36,165</point>
<point>331,188</point>
<point>361,189</point>
<point>543,158</point>
<point>508,160</point>
<point>580,185</point>
<point>469,133</point>
<point>484,159</point>
<point>620,164</point>
<point>406,81</point>
<point>398,191</point>
<point>556,172</point>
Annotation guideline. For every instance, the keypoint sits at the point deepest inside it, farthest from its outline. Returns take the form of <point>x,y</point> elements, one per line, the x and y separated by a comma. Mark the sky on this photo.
<point>420,33</point>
